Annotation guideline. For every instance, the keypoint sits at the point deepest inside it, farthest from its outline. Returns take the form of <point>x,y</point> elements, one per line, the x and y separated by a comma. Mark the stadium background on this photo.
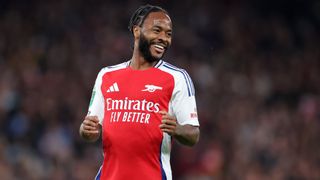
<point>255,65</point>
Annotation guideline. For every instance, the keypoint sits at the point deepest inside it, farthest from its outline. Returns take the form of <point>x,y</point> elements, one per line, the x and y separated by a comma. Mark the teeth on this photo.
<point>158,46</point>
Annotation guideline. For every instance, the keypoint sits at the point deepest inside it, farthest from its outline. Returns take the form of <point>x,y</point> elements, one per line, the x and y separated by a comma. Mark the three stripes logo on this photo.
<point>113,88</point>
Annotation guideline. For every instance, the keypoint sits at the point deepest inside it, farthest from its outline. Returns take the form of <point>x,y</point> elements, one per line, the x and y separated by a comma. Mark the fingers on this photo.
<point>167,129</point>
<point>168,123</point>
<point>90,125</point>
<point>90,129</point>
<point>165,115</point>
<point>92,119</point>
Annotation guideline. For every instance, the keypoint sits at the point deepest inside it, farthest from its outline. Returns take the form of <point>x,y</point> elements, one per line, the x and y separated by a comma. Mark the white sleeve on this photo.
<point>183,102</point>
<point>96,106</point>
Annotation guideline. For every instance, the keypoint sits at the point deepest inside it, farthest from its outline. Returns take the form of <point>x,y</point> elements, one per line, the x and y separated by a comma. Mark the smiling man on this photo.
<point>140,105</point>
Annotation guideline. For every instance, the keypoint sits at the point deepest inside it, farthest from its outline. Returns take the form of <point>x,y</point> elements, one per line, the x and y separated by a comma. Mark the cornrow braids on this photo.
<point>141,13</point>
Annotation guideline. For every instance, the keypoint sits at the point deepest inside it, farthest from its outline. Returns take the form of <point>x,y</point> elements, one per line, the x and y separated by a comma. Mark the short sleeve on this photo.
<point>96,105</point>
<point>183,102</point>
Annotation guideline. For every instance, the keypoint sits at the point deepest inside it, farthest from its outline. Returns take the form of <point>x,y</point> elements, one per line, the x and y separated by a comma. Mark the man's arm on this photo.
<point>185,134</point>
<point>90,129</point>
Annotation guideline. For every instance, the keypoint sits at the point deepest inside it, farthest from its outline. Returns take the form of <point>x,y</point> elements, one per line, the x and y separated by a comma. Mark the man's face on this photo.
<point>144,48</point>
<point>155,36</point>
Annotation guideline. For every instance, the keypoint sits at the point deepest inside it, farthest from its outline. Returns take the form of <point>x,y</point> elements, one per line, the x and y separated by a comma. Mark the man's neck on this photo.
<point>139,63</point>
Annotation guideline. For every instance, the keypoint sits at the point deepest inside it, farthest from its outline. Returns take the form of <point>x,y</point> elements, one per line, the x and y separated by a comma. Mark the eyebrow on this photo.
<point>161,27</point>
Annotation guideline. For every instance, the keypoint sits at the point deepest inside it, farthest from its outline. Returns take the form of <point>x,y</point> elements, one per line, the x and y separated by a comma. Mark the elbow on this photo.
<point>189,135</point>
<point>195,139</point>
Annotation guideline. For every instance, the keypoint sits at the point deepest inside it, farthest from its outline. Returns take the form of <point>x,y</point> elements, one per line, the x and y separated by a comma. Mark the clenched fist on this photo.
<point>90,128</point>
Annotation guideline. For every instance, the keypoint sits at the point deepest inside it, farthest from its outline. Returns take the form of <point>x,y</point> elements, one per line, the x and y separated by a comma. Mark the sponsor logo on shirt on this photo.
<point>193,115</point>
<point>131,104</point>
<point>131,110</point>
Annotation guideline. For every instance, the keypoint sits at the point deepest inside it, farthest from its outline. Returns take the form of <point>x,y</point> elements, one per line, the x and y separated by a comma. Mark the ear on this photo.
<point>136,31</point>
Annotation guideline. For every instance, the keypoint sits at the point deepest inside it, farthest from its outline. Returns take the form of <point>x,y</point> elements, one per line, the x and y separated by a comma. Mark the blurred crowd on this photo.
<point>255,66</point>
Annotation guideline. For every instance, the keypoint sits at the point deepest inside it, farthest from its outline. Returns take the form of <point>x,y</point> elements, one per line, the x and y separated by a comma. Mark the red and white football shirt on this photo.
<point>127,103</point>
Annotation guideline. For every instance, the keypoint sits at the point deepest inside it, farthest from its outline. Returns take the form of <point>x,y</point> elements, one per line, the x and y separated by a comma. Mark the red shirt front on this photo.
<point>127,103</point>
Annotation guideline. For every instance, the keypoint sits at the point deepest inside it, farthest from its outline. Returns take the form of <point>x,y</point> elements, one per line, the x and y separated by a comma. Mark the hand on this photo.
<point>185,134</point>
<point>168,123</point>
<point>90,128</point>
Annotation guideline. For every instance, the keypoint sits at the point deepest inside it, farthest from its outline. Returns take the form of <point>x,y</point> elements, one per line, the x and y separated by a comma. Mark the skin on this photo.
<point>157,29</point>
<point>90,129</point>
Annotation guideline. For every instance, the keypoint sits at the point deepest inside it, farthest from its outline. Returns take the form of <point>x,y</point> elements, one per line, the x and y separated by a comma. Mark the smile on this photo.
<point>159,48</point>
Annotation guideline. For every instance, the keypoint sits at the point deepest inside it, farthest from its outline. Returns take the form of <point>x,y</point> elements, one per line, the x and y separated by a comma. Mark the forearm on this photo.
<point>187,134</point>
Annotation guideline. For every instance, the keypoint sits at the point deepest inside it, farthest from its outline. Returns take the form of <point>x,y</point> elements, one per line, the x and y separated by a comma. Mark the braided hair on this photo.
<point>141,13</point>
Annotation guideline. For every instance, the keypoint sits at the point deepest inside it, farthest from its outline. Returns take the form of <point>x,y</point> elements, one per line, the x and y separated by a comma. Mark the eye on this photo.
<point>156,30</point>
<point>169,34</point>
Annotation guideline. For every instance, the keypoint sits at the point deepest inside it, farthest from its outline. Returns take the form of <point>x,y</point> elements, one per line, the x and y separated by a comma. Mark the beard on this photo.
<point>144,48</point>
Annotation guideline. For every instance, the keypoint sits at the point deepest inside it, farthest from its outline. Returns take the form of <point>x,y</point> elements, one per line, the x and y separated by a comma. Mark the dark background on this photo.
<point>255,66</point>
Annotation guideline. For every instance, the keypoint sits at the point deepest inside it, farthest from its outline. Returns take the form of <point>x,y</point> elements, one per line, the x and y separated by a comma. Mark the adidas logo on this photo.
<point>113,88</point>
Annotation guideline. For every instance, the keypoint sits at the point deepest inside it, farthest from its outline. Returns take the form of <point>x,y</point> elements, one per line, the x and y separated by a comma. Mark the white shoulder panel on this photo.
<point>183,103</point>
